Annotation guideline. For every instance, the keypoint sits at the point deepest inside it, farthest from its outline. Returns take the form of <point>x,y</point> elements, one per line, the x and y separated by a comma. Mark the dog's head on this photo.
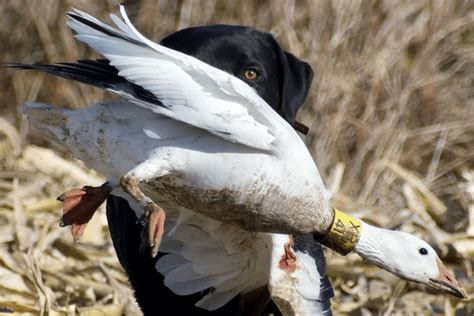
<point>280,78</point>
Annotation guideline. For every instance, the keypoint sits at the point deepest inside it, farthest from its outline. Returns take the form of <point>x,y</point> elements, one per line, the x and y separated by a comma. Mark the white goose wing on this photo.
<point>188,89</point>
<point>204,253</point>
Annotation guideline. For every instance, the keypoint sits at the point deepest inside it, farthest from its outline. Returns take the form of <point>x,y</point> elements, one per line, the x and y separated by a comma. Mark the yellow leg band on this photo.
<point>344,233</point>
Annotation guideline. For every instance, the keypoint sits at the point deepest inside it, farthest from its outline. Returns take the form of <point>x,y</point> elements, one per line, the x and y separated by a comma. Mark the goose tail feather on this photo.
<point>51,121</point>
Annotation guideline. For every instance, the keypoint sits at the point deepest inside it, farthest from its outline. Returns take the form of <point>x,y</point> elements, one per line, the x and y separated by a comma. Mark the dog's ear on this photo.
<point>295,80</point>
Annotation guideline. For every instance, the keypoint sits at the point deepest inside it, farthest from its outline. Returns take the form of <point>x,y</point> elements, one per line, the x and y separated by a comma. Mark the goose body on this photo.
<point>205,175</point>
<point>187,166</point>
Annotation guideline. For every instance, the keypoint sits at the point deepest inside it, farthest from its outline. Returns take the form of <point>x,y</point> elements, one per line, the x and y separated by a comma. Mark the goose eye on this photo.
<point>423,251</point>
<point>250,74</point>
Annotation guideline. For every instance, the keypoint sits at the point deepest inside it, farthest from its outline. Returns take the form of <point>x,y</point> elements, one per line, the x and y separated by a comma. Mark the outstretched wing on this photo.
<point>188,89</point>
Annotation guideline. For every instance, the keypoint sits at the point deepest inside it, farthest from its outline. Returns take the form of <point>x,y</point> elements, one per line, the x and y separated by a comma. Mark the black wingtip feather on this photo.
<point>97,73</point>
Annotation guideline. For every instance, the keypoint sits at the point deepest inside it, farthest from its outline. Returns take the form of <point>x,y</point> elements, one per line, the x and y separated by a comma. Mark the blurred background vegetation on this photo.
<point>391,112</point>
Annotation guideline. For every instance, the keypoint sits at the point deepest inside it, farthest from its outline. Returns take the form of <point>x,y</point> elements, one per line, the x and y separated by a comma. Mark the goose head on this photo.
<point>406,256</point>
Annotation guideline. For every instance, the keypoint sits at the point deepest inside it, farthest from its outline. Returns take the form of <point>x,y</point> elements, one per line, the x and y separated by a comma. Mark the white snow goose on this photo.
<point>207,148</point>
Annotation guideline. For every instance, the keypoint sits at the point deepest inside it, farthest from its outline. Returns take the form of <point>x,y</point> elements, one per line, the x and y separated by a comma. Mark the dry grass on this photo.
<point>392,119</point>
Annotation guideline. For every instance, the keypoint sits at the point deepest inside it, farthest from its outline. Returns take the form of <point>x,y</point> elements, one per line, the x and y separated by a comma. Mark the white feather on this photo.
<point>169,262</point>
<point>215,300</point>
<point>171,245</point>
<point>192,91</point>
<point>207,253</point>
<point>185,281</point>
<point>307,277</point>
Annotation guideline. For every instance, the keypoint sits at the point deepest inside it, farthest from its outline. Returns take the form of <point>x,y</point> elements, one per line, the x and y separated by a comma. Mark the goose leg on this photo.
<point>79,205</point>
<point>154,216</point>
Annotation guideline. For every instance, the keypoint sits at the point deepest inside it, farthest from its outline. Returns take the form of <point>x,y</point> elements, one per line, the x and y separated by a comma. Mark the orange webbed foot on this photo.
<point>155,227</point>
<point>153,217</point>
<point>79,205</point>
<point>154,221</point>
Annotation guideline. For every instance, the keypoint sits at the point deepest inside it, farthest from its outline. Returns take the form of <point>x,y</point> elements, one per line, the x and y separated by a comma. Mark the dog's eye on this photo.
<point>250,74</point>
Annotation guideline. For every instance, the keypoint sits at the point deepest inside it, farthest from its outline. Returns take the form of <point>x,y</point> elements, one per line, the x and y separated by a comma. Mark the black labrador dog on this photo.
<point>283,81</point>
